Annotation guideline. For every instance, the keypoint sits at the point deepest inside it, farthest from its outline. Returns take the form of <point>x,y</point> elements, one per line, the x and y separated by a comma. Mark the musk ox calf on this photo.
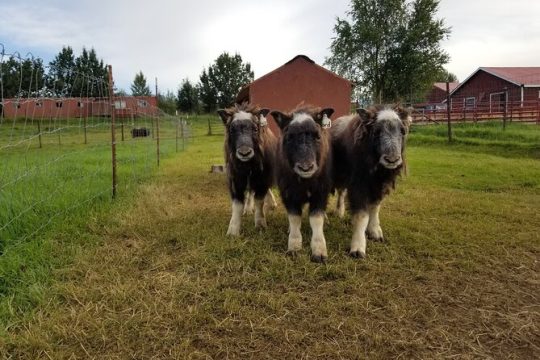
<point>250,148</point>
<point>368,156</point>
<point>304,164</point>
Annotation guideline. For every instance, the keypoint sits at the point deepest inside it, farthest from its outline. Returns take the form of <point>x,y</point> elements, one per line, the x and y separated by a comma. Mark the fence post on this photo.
<point>39,132</point>
<point>85,136</point>
<point>209,127</point>
<point>157,138</point>
<point>182,132</point>
<point>177,125</point>
<point>448,112</point>
<point>113,135</point>
<point>122,125</point>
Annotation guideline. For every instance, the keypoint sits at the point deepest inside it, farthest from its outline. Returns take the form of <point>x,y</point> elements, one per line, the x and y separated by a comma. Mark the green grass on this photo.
<point>458,278</point>
<point>47,195</point>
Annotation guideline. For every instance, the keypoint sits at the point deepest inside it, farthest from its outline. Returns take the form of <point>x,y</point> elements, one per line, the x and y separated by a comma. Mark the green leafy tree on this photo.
<point>220,84</point>
<point>167,103</point>
<point>390,48</point>
<point>139,86</point>
<point>444,76</point>
<point>62,72</point>
<point>188,97</point>
<point>91,75</point>
<point>22,77</point>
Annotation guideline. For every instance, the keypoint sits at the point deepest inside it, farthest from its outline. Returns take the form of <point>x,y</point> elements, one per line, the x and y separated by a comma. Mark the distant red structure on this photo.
<point>437,94</point>
<point>45,108</point>
<point>300,79</point>
<point>493,87</point>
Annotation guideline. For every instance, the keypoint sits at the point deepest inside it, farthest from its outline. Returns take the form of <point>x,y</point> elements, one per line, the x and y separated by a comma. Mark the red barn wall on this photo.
<point>297,81</point>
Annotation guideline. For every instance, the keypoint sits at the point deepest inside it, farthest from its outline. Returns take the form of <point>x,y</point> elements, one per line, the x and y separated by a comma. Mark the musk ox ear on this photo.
<point>224,115</point>
<point>323,118</point>
<point>282,119</point>
<point>264,112</point>
<point>364,113</point>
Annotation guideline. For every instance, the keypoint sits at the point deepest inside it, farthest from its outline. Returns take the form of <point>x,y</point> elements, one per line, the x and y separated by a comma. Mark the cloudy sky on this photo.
<point>172,40</point>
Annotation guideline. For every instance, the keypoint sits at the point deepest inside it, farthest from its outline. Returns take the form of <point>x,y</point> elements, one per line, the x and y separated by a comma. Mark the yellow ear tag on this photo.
<point>326,122</point>
<point>262,121</point>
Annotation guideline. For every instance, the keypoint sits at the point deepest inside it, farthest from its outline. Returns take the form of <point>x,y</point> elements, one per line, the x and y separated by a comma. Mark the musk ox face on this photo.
<point>388,128</point>
<point>302,142</point>
<point>242,126</point>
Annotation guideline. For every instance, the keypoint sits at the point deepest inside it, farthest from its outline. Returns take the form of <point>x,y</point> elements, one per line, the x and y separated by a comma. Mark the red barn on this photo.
<point>491,89</point>
<point>45,108</point>
<point>437,94</point>
<point>300,79</point>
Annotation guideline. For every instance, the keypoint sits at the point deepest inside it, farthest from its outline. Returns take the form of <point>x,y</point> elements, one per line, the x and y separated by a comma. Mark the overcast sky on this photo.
<point>172,40</point>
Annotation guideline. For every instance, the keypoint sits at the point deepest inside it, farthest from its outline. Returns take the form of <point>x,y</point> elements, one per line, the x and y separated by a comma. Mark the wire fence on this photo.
<point>68,144</point>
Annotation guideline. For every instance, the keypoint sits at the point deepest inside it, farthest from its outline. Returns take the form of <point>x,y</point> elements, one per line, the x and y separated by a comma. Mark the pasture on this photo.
<point>154,276</point>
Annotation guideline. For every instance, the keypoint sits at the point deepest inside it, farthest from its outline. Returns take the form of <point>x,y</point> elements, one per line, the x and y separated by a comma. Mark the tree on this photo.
<point>220,84</point>
<point>444,76</point>
<point>139,86</point>
<point>390,48</point>
<point>167,102</point>
<point>91,75</point>
<point>22,77</point>
<point>188,98</point>
<point>62,72</point>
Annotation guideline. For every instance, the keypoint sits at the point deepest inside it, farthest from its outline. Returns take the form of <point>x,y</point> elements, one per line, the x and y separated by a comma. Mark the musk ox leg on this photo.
<point>295,236</point>
<point>318,242</point>
<point>249,203</point>
<point>270,200</point>
<point>260,220</point>
<point>340,207</point>
<point>236,218</point>
<point>358,243</point>
<point>374,231</point>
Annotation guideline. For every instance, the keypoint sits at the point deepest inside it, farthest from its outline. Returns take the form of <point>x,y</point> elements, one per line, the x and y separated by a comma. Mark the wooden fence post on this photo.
<point>113,135</point>
<point>39,132</point>
<point>448,112</point>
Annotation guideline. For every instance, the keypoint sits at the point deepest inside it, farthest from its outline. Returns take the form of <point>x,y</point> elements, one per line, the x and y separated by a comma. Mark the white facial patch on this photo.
<point>388,114</point>
<point>262,120</point>
<point>242,115</point>
<point>301,117</point>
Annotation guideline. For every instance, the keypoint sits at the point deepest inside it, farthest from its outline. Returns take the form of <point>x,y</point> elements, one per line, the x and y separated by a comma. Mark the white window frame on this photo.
<point>142,103</point>
<point>59,104</point>
<point>491,99</point>
<point>465,103</point>
<point>80,104</point>
<point>119,104</point>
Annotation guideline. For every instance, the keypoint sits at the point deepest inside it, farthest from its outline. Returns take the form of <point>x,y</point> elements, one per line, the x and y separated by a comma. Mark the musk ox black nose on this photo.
<point>244,152</point>
<point>391,159</point>
<point>305,166</point>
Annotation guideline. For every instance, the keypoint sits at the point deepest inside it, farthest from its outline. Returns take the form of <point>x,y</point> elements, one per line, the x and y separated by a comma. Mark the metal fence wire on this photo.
<point>68,144</point>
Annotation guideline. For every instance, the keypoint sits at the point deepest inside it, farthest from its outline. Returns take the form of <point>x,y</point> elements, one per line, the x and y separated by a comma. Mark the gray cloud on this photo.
<point>172,40</point>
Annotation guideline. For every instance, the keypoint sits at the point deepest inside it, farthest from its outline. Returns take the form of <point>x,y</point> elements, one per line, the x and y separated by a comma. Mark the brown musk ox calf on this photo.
<point>368,150</point>
<point>250,148</point>
<point>304,173</point>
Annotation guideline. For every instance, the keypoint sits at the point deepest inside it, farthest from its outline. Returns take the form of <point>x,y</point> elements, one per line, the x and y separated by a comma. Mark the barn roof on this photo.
<point>442,85</point>
<point>244,91</point>
<point>519,76</point>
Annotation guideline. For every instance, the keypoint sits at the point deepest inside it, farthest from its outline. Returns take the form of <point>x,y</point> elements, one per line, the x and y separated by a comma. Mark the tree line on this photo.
<point>390,49</point>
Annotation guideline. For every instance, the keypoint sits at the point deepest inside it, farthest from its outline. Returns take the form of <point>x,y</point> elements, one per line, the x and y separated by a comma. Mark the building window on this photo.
<point>39,104</point>
<point>17,105</point>
<point>468,103</point>
<point>119,104</point>
<point>80,104</point>
<point>59,104</point>
<point>142,103</point>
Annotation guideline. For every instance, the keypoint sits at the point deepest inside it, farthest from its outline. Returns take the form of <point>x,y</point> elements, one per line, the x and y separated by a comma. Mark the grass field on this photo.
<point>459,277</point>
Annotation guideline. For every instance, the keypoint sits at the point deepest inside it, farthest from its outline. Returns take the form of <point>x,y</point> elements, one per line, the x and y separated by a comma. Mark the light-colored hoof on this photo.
<point>233,231</point>
<point>375,234</point>
<point>261,223</point>
<point>357,254</point>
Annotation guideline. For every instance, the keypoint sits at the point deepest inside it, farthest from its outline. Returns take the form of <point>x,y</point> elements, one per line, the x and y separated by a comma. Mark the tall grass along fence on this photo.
<point>69,144</point>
